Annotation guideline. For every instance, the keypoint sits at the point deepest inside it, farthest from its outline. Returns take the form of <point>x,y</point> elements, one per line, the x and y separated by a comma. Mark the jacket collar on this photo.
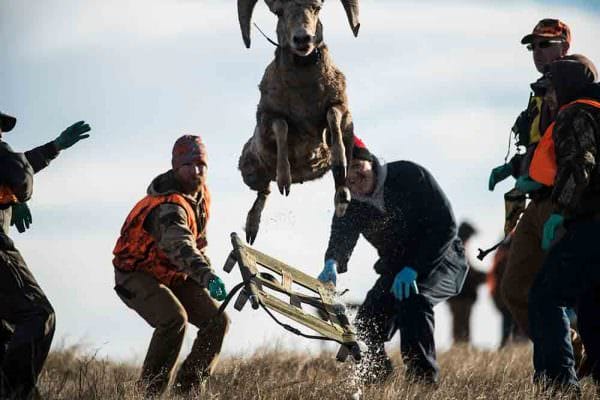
<point>376,198</point>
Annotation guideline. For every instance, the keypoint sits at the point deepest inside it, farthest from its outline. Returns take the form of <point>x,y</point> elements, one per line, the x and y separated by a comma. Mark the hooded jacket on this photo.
<point>576,136</point>
<point>171,242</point>
<point>409,221</point>
<point>17,171</point>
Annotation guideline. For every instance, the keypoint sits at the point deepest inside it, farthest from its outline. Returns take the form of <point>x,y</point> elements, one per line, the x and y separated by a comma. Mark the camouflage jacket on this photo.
<point>577,144</point>
<point>168,225</point>
<point>16,171</point>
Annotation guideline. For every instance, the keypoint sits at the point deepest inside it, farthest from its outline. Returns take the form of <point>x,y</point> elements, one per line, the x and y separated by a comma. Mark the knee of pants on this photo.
<point>50,324</point>
<point>43,321</point>
<point>175,321</point>
<point>222,324</point>
<point>415,303</point>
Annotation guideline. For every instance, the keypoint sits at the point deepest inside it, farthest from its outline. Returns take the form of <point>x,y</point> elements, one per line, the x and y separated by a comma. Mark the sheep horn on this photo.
<point>351,7</point>
<point>245,8</point>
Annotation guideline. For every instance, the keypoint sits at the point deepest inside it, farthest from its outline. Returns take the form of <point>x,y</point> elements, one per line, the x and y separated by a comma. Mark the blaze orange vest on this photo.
<point>7,196</point>
<point>136,249</point>
<point>543,165</point>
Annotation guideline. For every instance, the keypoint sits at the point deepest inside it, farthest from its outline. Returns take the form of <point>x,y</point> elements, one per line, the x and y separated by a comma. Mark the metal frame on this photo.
<point>331,321</point>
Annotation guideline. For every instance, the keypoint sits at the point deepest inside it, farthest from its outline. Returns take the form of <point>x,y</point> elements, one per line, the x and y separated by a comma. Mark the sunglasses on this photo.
<point>543,45</point>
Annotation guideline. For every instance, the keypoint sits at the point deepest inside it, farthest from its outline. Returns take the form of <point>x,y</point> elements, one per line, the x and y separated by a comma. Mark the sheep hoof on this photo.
<point>342,200</point>
<point>284,179</point>
<point>252,223</point>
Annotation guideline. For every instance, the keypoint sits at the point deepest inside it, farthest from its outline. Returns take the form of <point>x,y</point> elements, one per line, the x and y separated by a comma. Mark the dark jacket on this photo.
<point>16,171</point>
<point>415,227</point>
<point>576,138</point>
<point>576,135</point>
<point>529,128</point>
<point>474,279</point>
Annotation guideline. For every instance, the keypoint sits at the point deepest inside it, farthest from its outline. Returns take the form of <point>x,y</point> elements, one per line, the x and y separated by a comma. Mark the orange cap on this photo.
<point>549,28</point>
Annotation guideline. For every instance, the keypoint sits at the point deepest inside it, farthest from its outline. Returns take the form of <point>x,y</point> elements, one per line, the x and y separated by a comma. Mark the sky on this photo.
<point>436,82</point>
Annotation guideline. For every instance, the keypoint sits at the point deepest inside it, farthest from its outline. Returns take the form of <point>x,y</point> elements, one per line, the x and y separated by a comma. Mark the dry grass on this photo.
<point>278,375</point>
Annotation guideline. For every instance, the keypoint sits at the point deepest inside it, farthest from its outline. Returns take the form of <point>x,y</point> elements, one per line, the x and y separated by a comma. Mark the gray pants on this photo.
<point>26,324</point>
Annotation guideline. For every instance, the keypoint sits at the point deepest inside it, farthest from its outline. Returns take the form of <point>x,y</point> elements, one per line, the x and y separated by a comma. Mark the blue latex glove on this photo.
<point>499,174</point>
<point>21,217</point>
<point>216,287</point>
<point>405,282</point>
<point>71,135</point>
<point>552,223</point>
<point>526,185</point>
<point>329,273</point>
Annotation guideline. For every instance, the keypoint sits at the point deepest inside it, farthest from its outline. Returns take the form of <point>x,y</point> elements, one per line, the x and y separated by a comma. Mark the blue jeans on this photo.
<point>570,276</point>
<point>382,314</point>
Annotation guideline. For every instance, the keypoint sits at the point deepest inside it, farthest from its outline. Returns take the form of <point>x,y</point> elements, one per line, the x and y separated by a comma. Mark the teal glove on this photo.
<point>552,223</point>
<point>216,287</point>
<point>527,185</point>
<point>21,217</point>
<point>329,273</point>
<point>72,135</point>
<point>405,282</point>
<point>499,174</point>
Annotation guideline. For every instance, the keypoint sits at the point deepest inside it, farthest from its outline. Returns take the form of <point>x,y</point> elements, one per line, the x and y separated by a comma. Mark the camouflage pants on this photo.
<point>26,324</point>
<point>168,309</point>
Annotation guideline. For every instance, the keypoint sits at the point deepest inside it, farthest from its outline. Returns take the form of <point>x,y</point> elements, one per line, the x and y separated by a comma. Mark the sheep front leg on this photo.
<point>339,162</point>
<point>284,174</point>
<point>253,218</point>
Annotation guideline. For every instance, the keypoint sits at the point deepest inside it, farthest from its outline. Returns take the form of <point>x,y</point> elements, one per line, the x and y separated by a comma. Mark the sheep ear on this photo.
<point>351,7</point>
<point>245,8</point>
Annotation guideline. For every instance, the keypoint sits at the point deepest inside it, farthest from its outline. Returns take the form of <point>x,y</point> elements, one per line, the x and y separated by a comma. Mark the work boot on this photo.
<point>188,381</point>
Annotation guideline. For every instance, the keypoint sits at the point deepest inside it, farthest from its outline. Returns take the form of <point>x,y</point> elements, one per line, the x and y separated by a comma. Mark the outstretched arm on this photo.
<point>40,157</point>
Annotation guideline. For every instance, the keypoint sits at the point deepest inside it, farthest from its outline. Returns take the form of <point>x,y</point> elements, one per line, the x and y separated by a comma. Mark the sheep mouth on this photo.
<point>304,50</point>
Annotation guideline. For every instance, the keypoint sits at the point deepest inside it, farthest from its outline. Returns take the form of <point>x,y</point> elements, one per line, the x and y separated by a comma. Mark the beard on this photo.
<point>192,187</point>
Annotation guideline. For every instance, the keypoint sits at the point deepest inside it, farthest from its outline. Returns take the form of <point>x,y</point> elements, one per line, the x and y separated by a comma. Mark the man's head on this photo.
<point>361,176</point>
<point>466,231</point>
<point>568,79</point>
<point>6,123</point>
<point>190,163</point>
<point>549,41</point>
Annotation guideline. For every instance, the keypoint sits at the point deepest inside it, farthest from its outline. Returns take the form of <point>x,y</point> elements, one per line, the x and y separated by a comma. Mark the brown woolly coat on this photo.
<point>301,92</point>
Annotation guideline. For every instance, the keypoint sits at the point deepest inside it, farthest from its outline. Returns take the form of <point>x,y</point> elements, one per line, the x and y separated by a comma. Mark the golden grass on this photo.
<point>280,375</point>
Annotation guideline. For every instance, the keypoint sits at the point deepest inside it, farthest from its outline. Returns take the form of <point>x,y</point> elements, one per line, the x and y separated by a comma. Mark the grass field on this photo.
<point>273,374</point>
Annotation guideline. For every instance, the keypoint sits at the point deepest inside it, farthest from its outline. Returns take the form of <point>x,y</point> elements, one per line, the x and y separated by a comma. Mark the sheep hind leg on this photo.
<point>339,162</point>
<point>253,218</point>
<point>284,173</point>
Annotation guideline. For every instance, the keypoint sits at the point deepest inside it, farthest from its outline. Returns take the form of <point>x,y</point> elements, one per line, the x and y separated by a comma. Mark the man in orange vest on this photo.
<point>570,275</point>
<point>162,273</point>
<point>549,41</point>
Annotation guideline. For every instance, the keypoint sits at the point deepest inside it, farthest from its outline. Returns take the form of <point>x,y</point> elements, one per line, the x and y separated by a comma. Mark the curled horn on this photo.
<point>245,8</point>
<point>351,7</point>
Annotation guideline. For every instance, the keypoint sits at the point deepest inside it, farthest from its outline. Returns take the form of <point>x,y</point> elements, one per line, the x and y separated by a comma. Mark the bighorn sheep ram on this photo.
<point>303,125</point>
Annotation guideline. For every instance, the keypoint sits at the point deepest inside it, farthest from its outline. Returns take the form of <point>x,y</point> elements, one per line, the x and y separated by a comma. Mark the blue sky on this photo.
<point>436,82</point>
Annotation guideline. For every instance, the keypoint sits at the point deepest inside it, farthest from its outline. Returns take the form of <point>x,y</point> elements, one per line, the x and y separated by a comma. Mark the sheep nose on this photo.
<point>301,39</point>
